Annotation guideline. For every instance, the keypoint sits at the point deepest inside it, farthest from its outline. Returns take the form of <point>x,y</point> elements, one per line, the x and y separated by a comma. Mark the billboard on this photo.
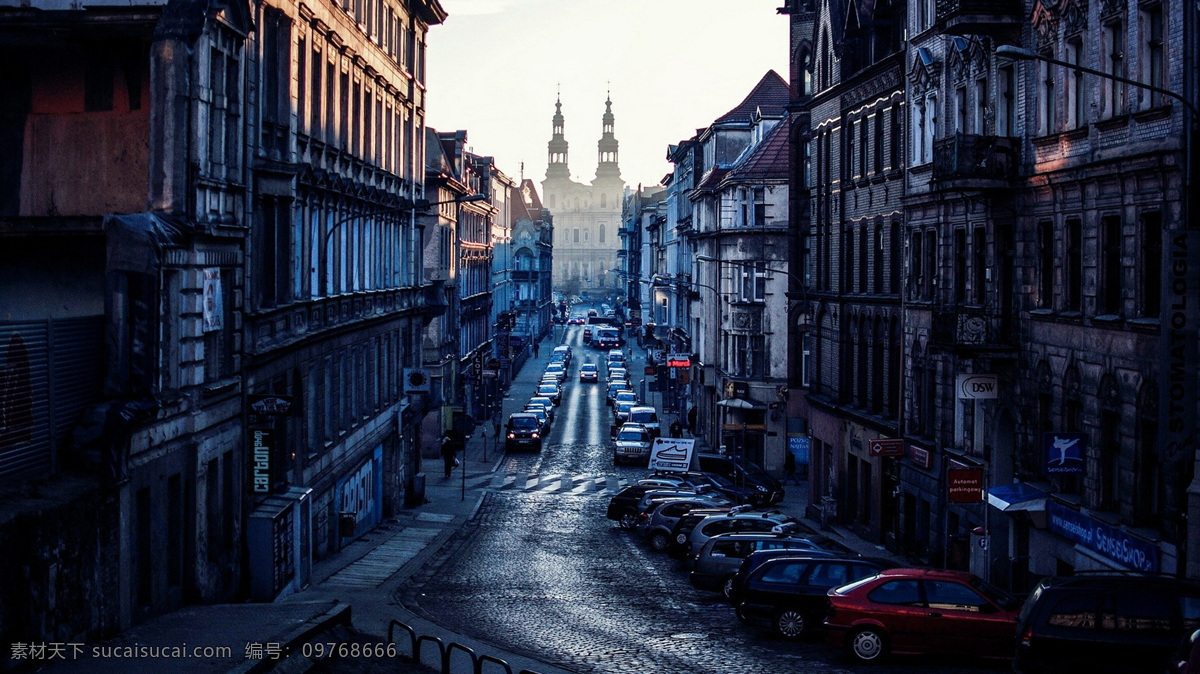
<point>672,454</point>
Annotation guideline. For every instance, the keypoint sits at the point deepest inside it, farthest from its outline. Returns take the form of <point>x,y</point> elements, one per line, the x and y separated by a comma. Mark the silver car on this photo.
<point>632,445</point>
<point>661,521</point>
<point>742,520</point>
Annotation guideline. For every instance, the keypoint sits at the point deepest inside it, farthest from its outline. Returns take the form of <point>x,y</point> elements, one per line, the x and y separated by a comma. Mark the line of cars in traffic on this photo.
<point>528,429</point>
<point>782,575</point>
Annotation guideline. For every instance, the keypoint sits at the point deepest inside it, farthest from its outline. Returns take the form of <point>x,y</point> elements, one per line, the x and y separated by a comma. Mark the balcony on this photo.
<point>977,17</point>
<point>972,331</point>
<point>967,161</point>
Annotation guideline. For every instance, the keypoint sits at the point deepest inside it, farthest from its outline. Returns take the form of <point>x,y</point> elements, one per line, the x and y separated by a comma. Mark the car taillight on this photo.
<point>1027,637</point>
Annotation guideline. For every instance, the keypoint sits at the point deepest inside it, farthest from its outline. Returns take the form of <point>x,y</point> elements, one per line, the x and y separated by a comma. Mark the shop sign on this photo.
<point>270,405</point>
<point>965,485</point>
<point>1105,540</point>
<point>262,442</point>
<point>679,360</point>
<point>360,494</point>
<point>1064,452</point>
<point>887,447</point>
<point>920,456</point>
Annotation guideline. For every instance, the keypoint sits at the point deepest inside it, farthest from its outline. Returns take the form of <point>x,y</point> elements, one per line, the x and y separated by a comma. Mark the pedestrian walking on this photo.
<point>450,447</point>
<point>676,429</point>
<point>789,468</point>
<point>535,349</point>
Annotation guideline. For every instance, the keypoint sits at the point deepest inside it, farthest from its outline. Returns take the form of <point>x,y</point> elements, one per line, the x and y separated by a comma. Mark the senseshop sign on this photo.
<point>1101,538</point>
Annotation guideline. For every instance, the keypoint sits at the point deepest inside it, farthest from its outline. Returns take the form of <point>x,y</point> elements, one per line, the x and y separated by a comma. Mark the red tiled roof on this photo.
<point>770,94</point>
<point>770,159</point>
<point>711,179</point>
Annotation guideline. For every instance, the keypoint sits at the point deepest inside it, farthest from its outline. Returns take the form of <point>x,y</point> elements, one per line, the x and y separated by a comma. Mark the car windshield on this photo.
<point>588,367</point>
<point>644,417</point>
<point>624,407</point>
<point>544,402</point>
<point>523,422</point>
<point>630,436</point>
<point>547,388</point>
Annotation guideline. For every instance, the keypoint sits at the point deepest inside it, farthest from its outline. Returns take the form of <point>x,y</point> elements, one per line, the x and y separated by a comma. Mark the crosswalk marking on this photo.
<point>378,565</point>
<point>583,483</point>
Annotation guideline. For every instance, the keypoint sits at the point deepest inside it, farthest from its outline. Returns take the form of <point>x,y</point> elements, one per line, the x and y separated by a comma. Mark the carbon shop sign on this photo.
<point>1180,316</point>
<point>1107,541</point>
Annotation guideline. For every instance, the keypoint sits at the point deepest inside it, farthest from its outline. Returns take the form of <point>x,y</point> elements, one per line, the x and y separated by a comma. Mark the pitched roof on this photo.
<point>770,95</point>
<point>711,180</point>
<point>768,160</point>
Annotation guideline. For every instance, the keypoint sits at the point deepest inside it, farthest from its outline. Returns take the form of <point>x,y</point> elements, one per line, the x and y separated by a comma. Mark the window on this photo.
<point>1109,296</point>
<point>1006,115</point>
<point>1074,264</point>
<point>1076,95</point>
<point>754,283</point>
<point>894,258</point>
<point>979,265</point>
<point>930,127</point>
<point>1152,53</point>
<point>828,575</point>
<point>1151,267</point>
<point>862,147</point>
<point>1114,64</point>
<point>946,595</point>
<point>576,235</point>
<point>851,150</point>
<point>878,271</point>
<point>760,207</point>
<point>784,573</point>
<point>930,264</point>
<point>1046,110</point>
<point>917,263</point>
<point>896,592</point>
<point>1147,498</point>
<point>806,356</point>
<point>877,142</point>
<point>602,225</point>
<point>1109,457</point>
<point>1046,264</point>
<point>960,110</point>
<point>848,253</point>
<point>863,259</point>
<point>960,265</point>
<point>806,167</point>
<point>894,158</point>
<point>918,122</point>
<point>981,103</point>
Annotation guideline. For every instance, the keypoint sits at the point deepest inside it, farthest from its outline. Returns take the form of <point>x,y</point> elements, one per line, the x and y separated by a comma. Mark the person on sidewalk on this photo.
<point>535,350</point>
<point>676,429</point>
<point>789,468</point>
<point>451,443</point>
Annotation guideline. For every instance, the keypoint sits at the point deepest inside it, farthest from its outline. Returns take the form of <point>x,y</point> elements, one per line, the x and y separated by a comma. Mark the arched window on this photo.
<point>603,200</point>
<point>602,225</point>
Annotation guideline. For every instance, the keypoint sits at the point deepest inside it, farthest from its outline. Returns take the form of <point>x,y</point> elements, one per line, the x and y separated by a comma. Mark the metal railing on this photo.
<point>446,650</point>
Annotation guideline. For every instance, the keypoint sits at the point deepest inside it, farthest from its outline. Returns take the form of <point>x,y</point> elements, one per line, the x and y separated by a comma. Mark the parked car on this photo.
<point>614,388</point>
<point>787,593</point>
<point>739,519</point>
<point>743,472</point>
<point>681,492</point>
<point>543,418</point>
<point>564,350</point>
<point>616,356</point>
<point>618,373</point>
<point>625,396</point>
<point>659,525</point>
<point>760,557</point>
<point>589,372</point>
<point>622,507</point>
<point>551,391</point>
<point>921,611</point>
<point>558,370</point>
<point>1105,622</point>
<point>545,402</point>
<point>721,555</point>
<point>632,445</point>
<point>648,417</point>
<point>621,411</point>
<point>523,431</point>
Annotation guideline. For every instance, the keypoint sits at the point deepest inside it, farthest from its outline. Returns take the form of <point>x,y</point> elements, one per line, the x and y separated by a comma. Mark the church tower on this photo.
<point>607,171</point>
<point>556,164</point>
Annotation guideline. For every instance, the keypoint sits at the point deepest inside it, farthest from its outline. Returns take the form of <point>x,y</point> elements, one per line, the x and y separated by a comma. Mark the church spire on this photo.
<point>607,169</point>
<point>556,159</point>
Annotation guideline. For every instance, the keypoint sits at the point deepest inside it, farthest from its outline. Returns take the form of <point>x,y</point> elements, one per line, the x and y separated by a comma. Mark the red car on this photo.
<point>921,611</point>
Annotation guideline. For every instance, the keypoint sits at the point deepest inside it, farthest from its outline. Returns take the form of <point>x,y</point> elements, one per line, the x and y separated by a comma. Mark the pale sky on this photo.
<point>674,65</point>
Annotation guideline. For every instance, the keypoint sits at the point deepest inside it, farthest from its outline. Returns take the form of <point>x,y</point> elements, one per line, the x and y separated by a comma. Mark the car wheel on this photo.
<point>868,645</point>
<point>659,541</point>
<point>790,623</point>
<point>727,588</point>
<point>628,519</point>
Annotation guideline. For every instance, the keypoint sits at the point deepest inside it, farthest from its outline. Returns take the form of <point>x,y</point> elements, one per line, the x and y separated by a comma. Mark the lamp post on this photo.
<point>1180,294</point>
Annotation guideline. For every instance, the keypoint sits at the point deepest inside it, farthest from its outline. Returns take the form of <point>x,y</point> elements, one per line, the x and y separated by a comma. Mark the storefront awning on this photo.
<point>1019,497</point>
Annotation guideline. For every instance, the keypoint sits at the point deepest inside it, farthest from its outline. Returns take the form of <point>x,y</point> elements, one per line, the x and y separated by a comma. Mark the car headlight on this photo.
<point>536,436</point>
<point>511,436</point>
<point>761,488</point>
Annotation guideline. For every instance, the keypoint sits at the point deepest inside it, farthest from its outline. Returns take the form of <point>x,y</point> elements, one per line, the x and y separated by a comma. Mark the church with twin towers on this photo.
<point>586,217</point>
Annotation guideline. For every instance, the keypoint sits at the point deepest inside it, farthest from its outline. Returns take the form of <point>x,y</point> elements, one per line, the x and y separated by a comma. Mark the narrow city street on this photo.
<point>543,572</point>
